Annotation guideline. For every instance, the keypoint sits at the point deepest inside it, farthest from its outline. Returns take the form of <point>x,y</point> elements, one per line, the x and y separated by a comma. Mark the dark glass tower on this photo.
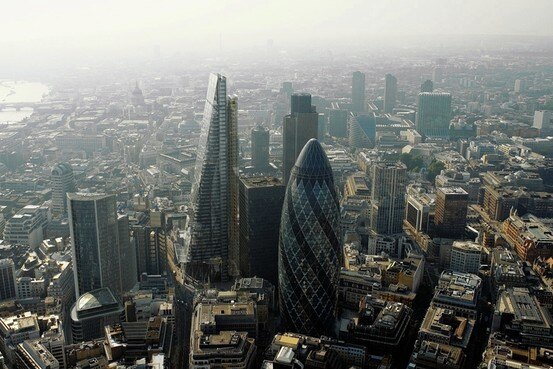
<point>94,233</point>
<point>309,246</point>
<point>301,125</point>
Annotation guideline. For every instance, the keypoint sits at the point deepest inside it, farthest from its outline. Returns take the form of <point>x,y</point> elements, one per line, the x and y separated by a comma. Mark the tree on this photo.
<point>434,169</point>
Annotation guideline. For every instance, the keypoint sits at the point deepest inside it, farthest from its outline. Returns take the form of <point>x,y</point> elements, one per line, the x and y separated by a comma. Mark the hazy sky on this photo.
<point>60,27</point>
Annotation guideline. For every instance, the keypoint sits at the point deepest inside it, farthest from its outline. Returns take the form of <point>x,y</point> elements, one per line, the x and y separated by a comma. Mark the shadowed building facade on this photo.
<point>310,245</point>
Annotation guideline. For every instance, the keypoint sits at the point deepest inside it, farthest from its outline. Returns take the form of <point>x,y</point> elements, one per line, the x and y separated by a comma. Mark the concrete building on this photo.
<point>358,92</point>
<point>260,148</point>
<point>446,326</point>
<point>27,226</point>
<point>459,292</point>
<point>528,236</point>
<point>390,93</point>
<point>521,318</point>
<point>388,197</point>
<point>380,324</point>
<point>33,355</point>
<point>465,257</point>
<point>15,330</point>
<point>543,120</point>
<point>63,182</point>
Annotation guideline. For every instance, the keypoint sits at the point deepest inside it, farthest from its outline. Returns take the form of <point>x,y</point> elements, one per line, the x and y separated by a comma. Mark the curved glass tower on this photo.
<point>309,246</point>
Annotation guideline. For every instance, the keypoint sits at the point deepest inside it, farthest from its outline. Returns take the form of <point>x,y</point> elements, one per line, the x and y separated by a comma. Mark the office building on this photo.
<point>8,288</point>
<point>310,244</point>
<point>459,292</point>
<point>465,257</point>
<point>446,326</point>
<point>528,236</point>
<point>451,211</point>
<point>427,86</point>
<point>388,197</point>
<point>358,92</point>
<point>92,312</point>
<point>260,148</point>
<point>522,319</point>
<point>520,86</point>
<point>33,355</point>
<point>338,123</point>
<point>362,130</point>
<point>543,120</point>
<point>63,182</point>
<point>210,228</point>
<point>299,126</point>
<point>433,114</point>
<point>27,226</point>
<point>380,324</point>
<point>260,205</point>
<point>15,330</point>
<point>390,93</point>
<point>95,247</point>
<point>127,254</point>
<point>432,355</point>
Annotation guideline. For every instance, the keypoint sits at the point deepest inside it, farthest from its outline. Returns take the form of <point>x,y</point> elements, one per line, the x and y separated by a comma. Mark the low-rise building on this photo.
<point>459,292</point>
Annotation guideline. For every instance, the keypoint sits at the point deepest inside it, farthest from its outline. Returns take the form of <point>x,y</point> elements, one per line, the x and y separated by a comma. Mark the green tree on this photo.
<point>434,169</point>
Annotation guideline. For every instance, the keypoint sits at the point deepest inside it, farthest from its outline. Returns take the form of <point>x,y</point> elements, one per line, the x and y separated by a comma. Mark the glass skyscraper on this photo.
<point>309,245</point>
<point>211,228</point>
<point>94,242</point>
<point>434,114</point>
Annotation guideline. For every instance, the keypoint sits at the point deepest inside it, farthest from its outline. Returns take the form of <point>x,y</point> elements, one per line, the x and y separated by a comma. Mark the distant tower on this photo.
<point>358,92</point>
<point>390,93</point>
<point>310,245</point>
<point>299,126</point>
<point>388,197</point>
<point>260,148</point>
<point>211,219</point>
<point>94,242</point>
<point>63,182</point>
<point>427,86</point>
<point>137,98</point>
<point>433,114</point>
<point>451,211</point>
<point>520,86</point>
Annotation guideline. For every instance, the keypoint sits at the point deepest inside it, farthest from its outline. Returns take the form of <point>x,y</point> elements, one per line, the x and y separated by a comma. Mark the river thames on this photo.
<point>18,92</point>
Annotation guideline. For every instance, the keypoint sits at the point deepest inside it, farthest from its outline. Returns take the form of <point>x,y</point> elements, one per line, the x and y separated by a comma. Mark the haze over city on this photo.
<point>276,184</point>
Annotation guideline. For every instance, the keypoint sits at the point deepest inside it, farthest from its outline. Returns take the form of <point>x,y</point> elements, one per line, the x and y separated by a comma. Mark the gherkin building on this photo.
<point>309,245</point>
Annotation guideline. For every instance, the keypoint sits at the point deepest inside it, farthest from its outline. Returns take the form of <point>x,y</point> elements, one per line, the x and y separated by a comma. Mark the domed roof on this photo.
<point>61,168</point>
<point>313,160</point>
<point>95,299</point>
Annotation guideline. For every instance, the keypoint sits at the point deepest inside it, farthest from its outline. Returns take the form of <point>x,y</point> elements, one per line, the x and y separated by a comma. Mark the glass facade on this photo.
<point>309,246</point>
<point>214,190</point>
<point>94,235</point>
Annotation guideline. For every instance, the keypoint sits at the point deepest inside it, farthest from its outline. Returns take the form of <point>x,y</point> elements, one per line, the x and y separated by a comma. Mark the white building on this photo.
<point>27,226</point>
<point>465,257</point>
